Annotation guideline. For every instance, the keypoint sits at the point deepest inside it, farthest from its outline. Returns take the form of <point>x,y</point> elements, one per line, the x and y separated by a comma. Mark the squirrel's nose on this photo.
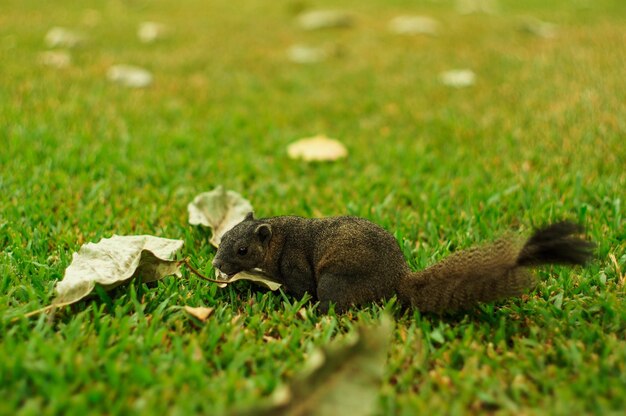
<point>217,263</point>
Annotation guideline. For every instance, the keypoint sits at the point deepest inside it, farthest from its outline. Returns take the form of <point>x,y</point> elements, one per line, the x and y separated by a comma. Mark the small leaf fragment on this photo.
<point>458,78</point>
<point>149,32</point>
<point>60,37</point>
<point>324,19</point>
<point>476,6</point>
<point>414,25</point>
<point>219,210</point>
<point>317,149</point>
<point>113,261</point>
<point>302,54</point>
<point>539,28</point>
<point>129,76</point>
<point>55,59</point>
<point>202,313</point>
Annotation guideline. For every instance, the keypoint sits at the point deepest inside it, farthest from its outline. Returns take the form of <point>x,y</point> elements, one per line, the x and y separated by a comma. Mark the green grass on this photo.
<point>540,137</point>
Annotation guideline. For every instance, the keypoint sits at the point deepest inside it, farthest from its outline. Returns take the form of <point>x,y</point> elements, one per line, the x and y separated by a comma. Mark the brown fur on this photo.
<point>352,261</point>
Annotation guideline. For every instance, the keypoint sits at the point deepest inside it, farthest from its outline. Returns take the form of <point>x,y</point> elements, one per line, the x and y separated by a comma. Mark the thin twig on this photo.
<point>48,308</point>
<point>197,273</point>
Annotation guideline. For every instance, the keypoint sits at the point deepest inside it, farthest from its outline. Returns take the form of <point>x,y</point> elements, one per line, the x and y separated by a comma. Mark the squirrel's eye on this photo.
<point>242,251</point>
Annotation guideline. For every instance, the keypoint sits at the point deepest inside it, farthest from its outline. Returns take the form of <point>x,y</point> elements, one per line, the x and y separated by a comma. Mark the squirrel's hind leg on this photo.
<point>342,291</point>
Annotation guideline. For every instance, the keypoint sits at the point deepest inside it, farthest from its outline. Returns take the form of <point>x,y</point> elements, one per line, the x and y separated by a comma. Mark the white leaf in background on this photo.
<point>219,210</point>
<point>318,148</point>
<point>324,19</point>
<point>302,54</point>
<point>539,28</point>
<point>414,25</point>
<point>55,59</point>
<point>113,261</point>
<point>60,37</point>
<point>476,6</point>
<point>256,275</point>
<point>130,76</point>
<point>149,32</point>
<point>458,78</point>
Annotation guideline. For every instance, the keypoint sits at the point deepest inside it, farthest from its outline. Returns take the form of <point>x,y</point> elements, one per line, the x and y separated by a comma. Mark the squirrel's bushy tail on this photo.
<point>492,272</point>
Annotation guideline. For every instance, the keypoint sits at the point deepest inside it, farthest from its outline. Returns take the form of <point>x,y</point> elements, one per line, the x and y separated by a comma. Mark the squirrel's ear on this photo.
<point>249,216</point>
<point>264,231</point>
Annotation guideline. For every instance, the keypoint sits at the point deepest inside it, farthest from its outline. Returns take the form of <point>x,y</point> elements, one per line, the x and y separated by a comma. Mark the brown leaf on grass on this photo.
<point>220,210</point>
<point>317,149</point>
<point>201,312</point>
<point>342,378</point>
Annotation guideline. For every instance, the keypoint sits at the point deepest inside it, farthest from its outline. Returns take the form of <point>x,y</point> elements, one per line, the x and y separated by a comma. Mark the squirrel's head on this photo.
<point>243,247</point>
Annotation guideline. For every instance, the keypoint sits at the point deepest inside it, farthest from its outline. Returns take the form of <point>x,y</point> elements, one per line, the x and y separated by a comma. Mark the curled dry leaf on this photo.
<point>219,210</point>
<point>343,378</point>
<point>149,32</point>
<point>60,37</point>
<point>318,148</point>
<point>458,78</point>
<point>414,25</point>
<point>324,19</point>
<point>202,313</point>
<point>55,59</point>
<point>113,261</point>
<point>130,76</point>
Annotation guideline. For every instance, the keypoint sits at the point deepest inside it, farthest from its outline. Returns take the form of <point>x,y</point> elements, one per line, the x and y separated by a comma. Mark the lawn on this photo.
<point>539,137</point>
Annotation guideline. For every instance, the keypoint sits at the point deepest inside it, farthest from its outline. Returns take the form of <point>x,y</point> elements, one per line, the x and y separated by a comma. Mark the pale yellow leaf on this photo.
<point>318,148</point>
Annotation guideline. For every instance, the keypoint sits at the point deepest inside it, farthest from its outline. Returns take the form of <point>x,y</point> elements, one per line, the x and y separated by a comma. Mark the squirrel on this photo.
<point>350,261</point>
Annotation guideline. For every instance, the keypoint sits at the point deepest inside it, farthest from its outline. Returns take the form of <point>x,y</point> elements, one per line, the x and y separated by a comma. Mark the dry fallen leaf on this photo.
<point>414,25</point>
<point>129,76</point>
<point>202,313</point>
<point>343,378</point>
<point>149,32</point>
<point>257,276</point>
<point>60,37</point>
<point>324,19</point>
<point>219,210</point>
<point>318,148</point>
<point>55,59</point>
<point>113,261</point>
<point>458,78</point>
